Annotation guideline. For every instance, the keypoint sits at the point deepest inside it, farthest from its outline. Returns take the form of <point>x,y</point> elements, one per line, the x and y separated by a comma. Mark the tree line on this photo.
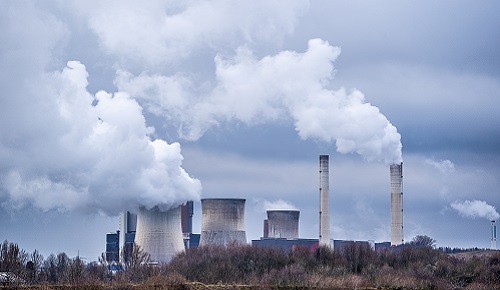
<point>414,265</point>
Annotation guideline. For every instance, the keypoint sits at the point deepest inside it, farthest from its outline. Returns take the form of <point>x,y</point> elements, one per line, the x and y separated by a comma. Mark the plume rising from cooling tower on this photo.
<point>223,221</point>
<point>159,232</point>
<point>283,224</point>
<point>396,173</point>
<point>324,205</point>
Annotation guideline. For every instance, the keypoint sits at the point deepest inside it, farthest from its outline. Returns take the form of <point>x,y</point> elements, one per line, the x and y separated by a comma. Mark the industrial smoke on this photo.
<point>288,85</point>
<point>476,209</point>
<point>89,153</point>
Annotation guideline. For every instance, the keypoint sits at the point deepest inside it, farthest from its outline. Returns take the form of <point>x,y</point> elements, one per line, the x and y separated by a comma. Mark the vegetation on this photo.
<point>415,265</point>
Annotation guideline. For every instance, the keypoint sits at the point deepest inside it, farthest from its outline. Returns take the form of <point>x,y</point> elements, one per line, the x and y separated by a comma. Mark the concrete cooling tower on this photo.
<point>283,224</point>
<point>159,233</point>
<point>223,221</point>
<point>396,171</point>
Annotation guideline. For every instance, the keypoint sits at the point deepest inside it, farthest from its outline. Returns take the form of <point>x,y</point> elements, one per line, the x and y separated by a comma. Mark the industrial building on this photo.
<point>222,221</point>
<point>165,233</point>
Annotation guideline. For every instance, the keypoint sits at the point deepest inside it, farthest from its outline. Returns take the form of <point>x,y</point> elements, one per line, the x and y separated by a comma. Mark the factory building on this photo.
<point>223,221</point>
<point>112,253</point>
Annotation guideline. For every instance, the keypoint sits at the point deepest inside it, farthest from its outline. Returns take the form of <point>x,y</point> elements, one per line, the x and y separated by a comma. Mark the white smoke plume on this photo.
<point>476,209</point>
<point>278,205</point>
<point>88,153</point>
<point>444,166</point>
<point>287,85</point>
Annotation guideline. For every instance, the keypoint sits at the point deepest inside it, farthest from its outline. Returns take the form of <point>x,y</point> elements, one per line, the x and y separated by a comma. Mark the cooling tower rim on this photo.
<point>224,199</point>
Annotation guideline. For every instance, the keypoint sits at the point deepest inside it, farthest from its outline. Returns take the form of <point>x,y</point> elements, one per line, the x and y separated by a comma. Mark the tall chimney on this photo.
<point>324,206</point>
<point>493,235</point>
<point>396,171</point>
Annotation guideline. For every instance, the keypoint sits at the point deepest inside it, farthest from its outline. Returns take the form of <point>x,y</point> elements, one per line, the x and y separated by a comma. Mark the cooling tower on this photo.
<point>283,224</point>
<point>222,221</point>
<point>396,172</point>
<point>324,206</point>
<point>159,233</point>
<point>493,235</point>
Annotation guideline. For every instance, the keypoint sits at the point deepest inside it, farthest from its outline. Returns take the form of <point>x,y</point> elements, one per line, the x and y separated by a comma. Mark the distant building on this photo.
<point>286,245</point>
<point>112,247</point>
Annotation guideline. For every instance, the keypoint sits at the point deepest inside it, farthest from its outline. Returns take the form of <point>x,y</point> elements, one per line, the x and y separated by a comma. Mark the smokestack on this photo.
<point>223,221</point>
<point>324,206</point>
<point>493,235</point>
<point>159,233</point>
<point>396,172</point>
<point>283,224</point>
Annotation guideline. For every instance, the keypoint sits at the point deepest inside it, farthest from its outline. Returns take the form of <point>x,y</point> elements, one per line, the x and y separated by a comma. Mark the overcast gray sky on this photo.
<point>106,106</point>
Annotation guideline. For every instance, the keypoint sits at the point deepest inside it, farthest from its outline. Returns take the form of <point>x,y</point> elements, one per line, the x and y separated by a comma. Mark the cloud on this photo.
<point>285,86</point>
<point>91,153</point>
<point>444,166</point>
<point>167,31</point>
<point>476,208</point>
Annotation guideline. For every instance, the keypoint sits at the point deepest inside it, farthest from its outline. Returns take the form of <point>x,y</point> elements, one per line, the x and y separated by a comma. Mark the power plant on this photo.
<point>324,205</point>
<point>396,173</point>
<point>222,221</point>
<point>159,233</point>
<point>282,224</point>
<point>163,234</point>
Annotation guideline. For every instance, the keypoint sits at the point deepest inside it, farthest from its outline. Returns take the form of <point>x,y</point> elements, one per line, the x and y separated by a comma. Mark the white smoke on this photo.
<point>287,85</point>
<point>170,31</point>
<point>88,153</point>
<point>444,166</point>
<point>476,209</point>
<point>278,205</point>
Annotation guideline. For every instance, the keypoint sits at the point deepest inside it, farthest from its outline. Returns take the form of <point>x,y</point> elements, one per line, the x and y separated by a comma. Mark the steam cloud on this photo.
<point>287,85</point>
<point>476,209</point>
<point>67,149</point>
<point>278,205</point>
<point>91,153</point>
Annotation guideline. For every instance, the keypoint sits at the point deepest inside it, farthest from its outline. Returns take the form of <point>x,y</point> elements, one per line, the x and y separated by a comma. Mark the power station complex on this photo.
<point>163,234</point>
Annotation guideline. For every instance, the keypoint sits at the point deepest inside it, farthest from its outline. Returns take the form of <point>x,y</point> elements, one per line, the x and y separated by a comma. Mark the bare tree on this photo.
<point>423,241</point>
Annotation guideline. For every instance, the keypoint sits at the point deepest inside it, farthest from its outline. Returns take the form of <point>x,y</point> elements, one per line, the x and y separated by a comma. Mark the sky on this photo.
<point>108,106</point>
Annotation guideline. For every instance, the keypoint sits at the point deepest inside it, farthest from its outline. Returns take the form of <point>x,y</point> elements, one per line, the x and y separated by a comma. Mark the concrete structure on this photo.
<point>128,226</point>
<point>324,205</point>
<point>283,224</point>
<point>159,233</point>
<point>223,221</point>
<point>187,211</point>
<point>112,254</point>
<point>493,235</point>
<point>396,173</point>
